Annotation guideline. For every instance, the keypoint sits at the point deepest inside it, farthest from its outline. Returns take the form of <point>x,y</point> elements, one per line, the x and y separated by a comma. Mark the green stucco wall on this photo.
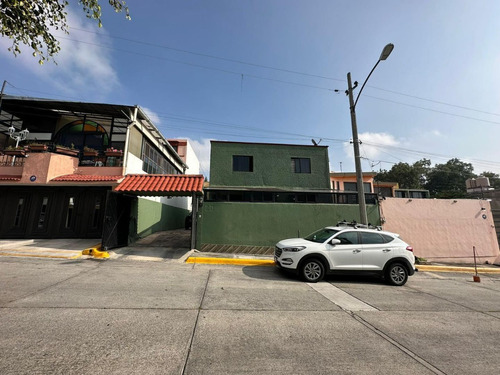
<point>272,166</point>
<point>154,217</point>
<point>262,224</point>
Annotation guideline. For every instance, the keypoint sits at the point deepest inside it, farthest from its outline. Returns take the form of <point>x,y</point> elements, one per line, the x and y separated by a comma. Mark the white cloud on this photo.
<point>202,150</point>
<point>153,116</point>
<point>84,69</point>
<point>370,145</point>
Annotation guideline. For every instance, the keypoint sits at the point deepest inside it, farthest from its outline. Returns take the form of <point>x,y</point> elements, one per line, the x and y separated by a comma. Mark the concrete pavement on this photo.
<point>135,317</point>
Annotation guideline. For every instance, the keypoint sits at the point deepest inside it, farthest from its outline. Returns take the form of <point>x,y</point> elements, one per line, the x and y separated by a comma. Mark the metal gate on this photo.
<point>116,220</point>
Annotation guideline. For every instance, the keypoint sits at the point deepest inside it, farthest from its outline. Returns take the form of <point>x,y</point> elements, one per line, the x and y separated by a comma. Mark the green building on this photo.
<point>259,165</point>
<point>260,193</point>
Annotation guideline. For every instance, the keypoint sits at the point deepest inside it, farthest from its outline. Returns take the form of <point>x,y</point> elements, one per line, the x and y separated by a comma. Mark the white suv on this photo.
<point>347,248</point>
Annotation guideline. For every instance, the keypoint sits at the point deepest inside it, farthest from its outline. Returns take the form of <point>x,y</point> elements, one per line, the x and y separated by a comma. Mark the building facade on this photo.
<point>59,182</point>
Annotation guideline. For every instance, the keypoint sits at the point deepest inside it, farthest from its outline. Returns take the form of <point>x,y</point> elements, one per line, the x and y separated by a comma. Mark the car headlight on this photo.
<point>294,249</point>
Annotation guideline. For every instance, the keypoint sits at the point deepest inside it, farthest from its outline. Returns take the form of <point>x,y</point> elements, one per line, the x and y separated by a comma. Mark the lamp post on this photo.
<point>18,137</point>
<point>355,140</point>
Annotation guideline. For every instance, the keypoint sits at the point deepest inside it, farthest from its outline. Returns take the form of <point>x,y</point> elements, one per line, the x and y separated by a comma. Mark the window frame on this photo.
<point>298,165</point>
<point>240,166</point>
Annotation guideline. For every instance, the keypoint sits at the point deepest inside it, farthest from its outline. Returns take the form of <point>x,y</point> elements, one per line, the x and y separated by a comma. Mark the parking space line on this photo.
<point>342,299</point>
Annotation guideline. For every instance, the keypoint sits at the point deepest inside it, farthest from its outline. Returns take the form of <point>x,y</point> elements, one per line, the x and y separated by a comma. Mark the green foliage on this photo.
<point>32,22</point>
<point>407,176</point>
<point>448,180</point>
<point>443,180</point>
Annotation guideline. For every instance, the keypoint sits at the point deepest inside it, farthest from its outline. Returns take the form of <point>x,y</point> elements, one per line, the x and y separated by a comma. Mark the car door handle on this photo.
<point>356,251</point>
<point>386,250</point>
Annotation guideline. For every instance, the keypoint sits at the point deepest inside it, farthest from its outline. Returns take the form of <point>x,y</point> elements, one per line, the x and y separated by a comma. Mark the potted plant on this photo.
<point>71,151</point>
<point>15,151</point>
<point>38,147</point>
<point>89,151</point>
<point>113,152</point>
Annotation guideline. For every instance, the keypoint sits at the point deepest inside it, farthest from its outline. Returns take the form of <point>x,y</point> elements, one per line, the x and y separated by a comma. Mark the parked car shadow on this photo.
<point>355,279</point>
<point>269,273</point>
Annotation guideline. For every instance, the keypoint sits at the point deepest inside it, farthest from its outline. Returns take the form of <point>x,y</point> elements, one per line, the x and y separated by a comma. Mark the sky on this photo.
<point>268,70</point>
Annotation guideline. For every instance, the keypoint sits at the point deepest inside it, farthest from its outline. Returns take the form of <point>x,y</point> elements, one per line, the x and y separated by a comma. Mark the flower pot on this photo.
<point>38,148</point>
<point>90,153</point>
<point>113,153</point>
<point>67,151</point>
<point>19,153</point>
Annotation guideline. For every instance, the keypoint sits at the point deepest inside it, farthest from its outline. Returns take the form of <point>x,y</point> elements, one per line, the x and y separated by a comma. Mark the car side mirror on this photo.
<point>334,241</point>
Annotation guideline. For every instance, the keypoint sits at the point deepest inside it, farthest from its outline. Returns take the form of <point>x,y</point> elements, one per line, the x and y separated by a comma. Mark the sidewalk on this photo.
<point>69,248</point>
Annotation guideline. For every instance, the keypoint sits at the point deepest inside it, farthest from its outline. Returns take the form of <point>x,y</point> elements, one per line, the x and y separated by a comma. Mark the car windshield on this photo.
<point>321,235</point>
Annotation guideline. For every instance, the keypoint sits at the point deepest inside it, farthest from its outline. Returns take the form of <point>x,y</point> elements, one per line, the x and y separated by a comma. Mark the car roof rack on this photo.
<point>356,225</point>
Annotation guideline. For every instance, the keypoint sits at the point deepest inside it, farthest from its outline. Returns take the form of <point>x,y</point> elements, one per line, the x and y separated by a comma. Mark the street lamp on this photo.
<point>18,137</point>
<point>355,140</point>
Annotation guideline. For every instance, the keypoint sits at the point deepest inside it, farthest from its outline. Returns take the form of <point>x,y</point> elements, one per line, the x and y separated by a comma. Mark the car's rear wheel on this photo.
<point>312,270</point>
<point>397,274</point>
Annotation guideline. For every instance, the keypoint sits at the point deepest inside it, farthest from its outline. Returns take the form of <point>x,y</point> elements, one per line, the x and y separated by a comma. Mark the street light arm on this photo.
<point>364,83</point>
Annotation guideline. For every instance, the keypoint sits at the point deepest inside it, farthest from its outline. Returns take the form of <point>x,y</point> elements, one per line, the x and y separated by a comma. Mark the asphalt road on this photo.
<point>133,317</point>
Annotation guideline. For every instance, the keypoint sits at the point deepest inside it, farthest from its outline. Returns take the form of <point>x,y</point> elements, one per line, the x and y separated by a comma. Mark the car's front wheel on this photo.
<point>312,270</point>
<point>397,274</point>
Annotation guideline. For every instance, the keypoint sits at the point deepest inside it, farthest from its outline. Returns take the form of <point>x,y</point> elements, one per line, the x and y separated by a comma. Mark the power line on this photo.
<point>435,101</point>
<point>200,66</point>
<point>214,57</point>
<point>434,110</point>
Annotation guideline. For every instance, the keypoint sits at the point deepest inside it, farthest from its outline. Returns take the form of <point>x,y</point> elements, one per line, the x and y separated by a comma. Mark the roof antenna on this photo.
<point>316,143</point>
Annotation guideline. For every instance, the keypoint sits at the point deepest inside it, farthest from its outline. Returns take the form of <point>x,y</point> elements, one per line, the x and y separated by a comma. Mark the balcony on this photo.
<point>43,165</point>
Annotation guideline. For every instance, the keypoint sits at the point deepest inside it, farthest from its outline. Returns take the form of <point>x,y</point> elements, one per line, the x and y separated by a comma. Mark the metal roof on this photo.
<point>162,184</point>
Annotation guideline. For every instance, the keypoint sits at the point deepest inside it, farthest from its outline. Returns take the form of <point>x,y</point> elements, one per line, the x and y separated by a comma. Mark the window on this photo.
<point>154,162</point>
<point>321,235</point>
<point>19,211</point>
<point>301,165</point>
<point>69,212</point>
<point>372,238</point>
<point>353,186</point>
<point>242,163</point>
<point>348,238</point>
<point>43,211</point>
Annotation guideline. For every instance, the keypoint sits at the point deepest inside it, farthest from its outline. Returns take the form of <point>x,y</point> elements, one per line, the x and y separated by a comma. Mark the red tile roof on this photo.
<point>9,178</point>
<point>161,184</point>
<point>86,178</point>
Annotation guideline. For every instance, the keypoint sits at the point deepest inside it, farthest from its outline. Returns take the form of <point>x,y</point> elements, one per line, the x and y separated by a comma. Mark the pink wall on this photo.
<point>443,229</point>
<point>46,166</point>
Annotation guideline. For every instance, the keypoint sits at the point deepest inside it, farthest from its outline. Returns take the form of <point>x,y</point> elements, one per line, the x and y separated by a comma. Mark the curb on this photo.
<point>429,268</point>
<point>270,262</point>
<point>231,261</point>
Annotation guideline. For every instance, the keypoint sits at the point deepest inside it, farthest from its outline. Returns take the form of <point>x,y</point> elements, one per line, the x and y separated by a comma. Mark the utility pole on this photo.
<point>357,159</point>
<point>355,140</point>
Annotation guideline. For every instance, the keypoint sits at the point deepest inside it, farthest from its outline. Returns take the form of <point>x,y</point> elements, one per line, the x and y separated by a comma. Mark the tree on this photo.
<point>406,175</point>
<point>32,22</point>
<point>448,180</point>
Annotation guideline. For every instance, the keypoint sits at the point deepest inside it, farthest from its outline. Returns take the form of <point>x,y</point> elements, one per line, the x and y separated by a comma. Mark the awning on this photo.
<point>161,185</point>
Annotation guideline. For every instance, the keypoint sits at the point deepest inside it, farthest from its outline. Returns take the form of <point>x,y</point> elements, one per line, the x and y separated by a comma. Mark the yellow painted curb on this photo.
<point>230,261</point>
<point>96,252</point>
<point>428,268</point>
